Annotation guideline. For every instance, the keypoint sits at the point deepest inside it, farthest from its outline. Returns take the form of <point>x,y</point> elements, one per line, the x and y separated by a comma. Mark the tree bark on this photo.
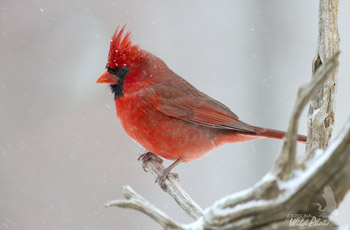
<point>321,110</point>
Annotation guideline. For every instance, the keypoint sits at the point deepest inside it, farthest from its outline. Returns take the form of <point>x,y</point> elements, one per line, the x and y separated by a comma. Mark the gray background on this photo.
<point>63,152</point>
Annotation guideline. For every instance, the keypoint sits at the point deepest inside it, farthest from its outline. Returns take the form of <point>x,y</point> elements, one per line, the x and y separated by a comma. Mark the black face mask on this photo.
<point>121,73</point>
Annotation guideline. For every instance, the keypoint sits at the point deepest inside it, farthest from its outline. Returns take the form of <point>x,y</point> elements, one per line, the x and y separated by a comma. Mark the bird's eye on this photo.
<point>122,72</point>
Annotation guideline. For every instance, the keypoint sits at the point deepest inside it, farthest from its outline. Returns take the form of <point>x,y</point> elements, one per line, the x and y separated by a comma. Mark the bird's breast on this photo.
<point>161,134</point>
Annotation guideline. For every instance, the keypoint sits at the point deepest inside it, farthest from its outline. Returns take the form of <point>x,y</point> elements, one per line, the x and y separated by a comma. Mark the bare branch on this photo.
<point>172,186</point>
<point>137,202</point>
<point>321,110</point>
<point>287,160</point>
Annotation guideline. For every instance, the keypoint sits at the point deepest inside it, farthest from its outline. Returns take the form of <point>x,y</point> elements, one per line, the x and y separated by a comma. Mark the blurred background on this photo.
<point>63,153</point>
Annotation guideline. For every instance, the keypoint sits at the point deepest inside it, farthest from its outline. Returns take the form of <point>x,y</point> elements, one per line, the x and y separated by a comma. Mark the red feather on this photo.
<point>121,49</point>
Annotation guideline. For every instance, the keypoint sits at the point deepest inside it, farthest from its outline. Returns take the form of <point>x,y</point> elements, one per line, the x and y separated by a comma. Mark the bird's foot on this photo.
<point>148,156</point>
<point>160,179</point>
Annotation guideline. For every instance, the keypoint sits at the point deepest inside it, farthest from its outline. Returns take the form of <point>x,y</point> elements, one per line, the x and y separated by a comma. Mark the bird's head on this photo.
<point>123,55</point>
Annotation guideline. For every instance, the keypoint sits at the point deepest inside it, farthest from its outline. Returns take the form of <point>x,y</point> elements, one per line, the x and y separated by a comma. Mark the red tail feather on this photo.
<point>271,133</point>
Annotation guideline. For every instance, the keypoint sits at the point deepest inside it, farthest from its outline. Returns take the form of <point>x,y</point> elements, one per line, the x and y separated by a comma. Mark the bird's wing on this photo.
<point>196,107</point>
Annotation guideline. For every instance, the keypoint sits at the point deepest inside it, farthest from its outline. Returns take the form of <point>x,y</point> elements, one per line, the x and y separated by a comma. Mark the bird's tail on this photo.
<point>276,134</point>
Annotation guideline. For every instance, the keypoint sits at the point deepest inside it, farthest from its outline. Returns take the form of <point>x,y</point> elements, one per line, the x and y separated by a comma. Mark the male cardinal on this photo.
<point>166,114</point>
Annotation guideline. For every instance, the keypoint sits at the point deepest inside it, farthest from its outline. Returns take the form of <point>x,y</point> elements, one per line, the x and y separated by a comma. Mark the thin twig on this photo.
<point>286,162</point>
<point>172,186</point>
<point>137,202</point>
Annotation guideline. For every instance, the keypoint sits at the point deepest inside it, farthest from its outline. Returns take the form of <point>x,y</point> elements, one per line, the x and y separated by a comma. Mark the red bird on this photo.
<point>166,114</point>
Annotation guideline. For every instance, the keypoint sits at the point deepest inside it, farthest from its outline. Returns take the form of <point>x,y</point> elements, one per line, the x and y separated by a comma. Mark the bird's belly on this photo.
<point>163,135</point>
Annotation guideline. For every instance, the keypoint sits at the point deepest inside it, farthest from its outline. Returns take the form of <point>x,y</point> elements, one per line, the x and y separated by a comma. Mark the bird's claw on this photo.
<point>160,179</point>
<point>148,156</point>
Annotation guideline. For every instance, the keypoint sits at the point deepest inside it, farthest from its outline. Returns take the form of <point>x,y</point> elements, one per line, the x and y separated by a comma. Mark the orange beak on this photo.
<point>108,78</point>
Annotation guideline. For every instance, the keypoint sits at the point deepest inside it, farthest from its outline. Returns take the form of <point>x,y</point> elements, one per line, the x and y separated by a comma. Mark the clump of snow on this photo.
<point>314,113</point>
<point>317,154</point>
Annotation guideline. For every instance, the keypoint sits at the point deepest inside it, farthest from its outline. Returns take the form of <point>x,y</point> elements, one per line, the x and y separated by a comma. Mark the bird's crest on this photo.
<point>121,49</point>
